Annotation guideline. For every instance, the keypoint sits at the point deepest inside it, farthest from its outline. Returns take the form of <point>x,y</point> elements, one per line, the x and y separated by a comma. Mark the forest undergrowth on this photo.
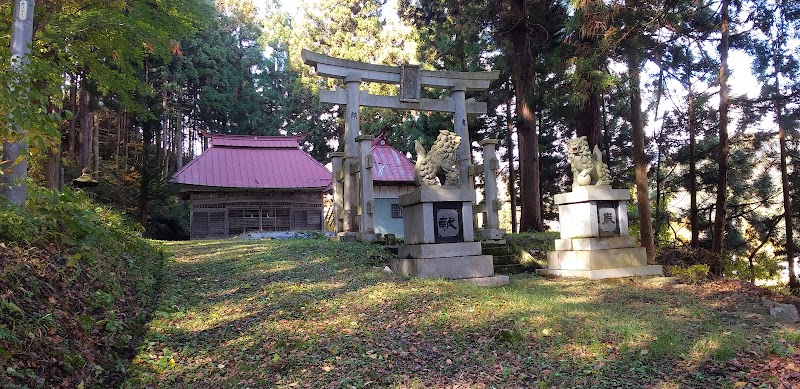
<point>76,284</point>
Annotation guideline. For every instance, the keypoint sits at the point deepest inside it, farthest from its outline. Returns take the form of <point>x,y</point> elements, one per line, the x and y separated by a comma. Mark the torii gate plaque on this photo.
<point>411,79</point>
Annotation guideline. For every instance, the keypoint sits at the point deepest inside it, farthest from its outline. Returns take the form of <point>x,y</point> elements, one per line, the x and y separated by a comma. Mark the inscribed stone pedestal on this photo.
<point>594,240</point>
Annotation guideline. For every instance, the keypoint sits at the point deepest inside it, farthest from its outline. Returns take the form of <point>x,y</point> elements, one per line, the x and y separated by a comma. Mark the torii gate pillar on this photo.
<point>357,192</point>
<point>351,152</point>
<point>458,94</point>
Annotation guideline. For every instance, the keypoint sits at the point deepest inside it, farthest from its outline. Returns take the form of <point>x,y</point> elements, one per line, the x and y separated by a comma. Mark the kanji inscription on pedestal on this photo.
<point>448,223</point>
<point>607,219</point>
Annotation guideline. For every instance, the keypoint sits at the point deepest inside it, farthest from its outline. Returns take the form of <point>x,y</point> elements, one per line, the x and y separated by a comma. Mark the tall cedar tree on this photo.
<point>779,22</point>
<point>634,45</point>
<point>718,237</point>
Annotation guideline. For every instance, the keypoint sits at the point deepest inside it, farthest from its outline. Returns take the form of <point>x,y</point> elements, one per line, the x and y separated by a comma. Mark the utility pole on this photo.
<point>14,152</point>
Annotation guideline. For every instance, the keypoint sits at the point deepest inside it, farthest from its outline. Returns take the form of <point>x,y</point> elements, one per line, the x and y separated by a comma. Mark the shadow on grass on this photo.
<point>319,314</point>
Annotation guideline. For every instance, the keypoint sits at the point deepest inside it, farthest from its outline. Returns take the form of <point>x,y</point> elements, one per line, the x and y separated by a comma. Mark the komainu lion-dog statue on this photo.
<point>440,160</point>
<point>587,167</point>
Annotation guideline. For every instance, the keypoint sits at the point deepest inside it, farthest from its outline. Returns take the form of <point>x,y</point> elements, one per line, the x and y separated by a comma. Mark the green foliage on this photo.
<point>26,108</point>
<point>109,41</point>
<point>692,274</point>
<point>689,262</point>
<point>78,282</point>
<point>349,29</point>
<point>539,242</point>
<point>766,267</point>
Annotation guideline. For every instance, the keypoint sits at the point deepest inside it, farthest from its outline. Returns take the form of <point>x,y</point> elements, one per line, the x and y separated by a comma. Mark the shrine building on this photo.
<point>244,183</point>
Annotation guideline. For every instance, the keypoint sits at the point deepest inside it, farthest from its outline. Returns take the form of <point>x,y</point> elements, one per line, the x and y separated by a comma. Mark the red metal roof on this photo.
<point>389,164</point>
<point>246,161</point>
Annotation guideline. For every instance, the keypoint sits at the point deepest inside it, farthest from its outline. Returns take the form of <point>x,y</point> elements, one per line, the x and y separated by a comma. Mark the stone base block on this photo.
<point>486,281</point>
<point>439,250</point>
<point>597,259</point>
<point>430,194</point>
<point>365,237</point>
<point>473,266</point>
<point>637,271</point>
<point>614,242</point>
<point>347,237</point>
<point>492,233</point>
<point>581,194</point>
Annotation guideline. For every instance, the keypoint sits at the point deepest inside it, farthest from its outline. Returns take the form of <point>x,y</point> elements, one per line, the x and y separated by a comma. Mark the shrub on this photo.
<point>77,282</point>
<point>684,258</point>
<point>693,274</point>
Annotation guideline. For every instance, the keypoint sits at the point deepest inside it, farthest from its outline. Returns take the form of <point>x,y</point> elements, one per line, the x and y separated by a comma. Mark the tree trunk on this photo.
<point>528,137</point>
<point>192,138</point>
<point>794,286</point>
<point>587,122</point>
<point>157,144</point>
<point>606,134</point>
<point>166,149</point>
<point>52,168</point>
<point>96,145</point>
<point>127,139</point>
<point>718,237</point>
<point>179,141</point>
<point>117,138</point>
<point>512,177</point>
<point>52,165</point>
<point>657,222</point>
<point>694,220</point>
<point>144,187</point>
<point>639,157</point>
<point>85,159</point>
<point>73,103</point>
<point>162,142</point>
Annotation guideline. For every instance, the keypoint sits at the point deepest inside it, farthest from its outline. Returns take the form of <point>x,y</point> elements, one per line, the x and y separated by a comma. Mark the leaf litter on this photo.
<point>320,314</point>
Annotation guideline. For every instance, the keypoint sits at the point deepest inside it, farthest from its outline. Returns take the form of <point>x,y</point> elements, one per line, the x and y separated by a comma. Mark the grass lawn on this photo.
<point>316,313</point>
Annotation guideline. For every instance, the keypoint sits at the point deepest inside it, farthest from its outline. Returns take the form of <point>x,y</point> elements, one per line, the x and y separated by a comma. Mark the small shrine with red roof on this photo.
<point>244,183</point>
<point>393,176</point>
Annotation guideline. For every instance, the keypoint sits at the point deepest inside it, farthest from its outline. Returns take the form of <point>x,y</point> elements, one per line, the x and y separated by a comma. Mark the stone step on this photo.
<point>498,249</point>
<point>597,259</point>
<point>613,242</point>
<point>439,250</point>
<point>473,266</point>
<point>505,260</point>
<point>486,281</point>
<point>637,271</point>
<point>509,254</point>
<point>513,269</point>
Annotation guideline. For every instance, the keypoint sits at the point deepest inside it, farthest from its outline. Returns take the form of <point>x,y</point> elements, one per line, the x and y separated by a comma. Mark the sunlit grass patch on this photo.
<point>316,313</point>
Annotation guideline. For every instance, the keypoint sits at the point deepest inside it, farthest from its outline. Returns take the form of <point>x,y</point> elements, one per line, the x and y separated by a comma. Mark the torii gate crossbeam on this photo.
<point>410,78</point>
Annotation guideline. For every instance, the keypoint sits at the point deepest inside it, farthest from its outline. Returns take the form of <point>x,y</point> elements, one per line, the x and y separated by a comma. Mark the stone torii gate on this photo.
<point>356,220</point>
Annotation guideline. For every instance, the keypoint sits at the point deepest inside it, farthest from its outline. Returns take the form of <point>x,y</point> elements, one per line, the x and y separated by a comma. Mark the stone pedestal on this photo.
<point>491,230</point>
<point>594,240</point>
<point>440,239</point>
